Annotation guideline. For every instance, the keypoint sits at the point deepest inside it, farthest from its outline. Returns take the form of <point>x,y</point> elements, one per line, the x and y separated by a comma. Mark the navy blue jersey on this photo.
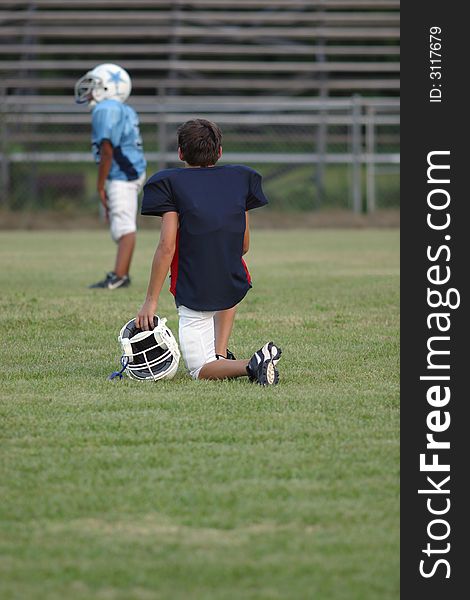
<point>208,272</point>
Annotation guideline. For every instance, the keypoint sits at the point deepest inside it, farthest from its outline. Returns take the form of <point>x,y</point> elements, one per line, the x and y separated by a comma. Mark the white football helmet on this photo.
<point>149,355</point>
<point>103,82</point>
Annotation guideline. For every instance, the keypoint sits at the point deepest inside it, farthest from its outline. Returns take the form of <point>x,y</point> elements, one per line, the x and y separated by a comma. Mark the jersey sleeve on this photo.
<point>108,124</point>
<point>256,197</point>
<point>158,197</point>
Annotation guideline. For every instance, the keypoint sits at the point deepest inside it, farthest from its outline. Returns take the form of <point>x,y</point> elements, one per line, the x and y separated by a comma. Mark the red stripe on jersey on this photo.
<point>174,266</point>
<point>248,276</point>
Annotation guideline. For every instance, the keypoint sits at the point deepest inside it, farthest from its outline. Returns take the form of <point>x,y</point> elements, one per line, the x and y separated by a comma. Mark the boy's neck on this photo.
<point>187,165</point>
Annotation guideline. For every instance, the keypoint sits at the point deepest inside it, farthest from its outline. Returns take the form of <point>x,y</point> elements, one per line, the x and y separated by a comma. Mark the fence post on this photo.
<point>5,163</point>
<point>356,153</point>
<point>321,128</point>
<point>321,152</point>
<point>162,131</point>
<point>370,151</point>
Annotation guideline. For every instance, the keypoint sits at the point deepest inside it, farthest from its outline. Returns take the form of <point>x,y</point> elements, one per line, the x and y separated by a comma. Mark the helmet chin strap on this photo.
<point>127,347</point>
<point>124,363</point>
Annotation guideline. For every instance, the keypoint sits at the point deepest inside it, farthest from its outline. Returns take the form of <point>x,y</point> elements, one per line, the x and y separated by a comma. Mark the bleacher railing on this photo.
<point>362,134</point>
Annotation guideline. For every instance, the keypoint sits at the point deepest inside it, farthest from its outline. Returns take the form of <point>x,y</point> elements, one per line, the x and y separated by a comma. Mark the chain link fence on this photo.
<point>313,153</point>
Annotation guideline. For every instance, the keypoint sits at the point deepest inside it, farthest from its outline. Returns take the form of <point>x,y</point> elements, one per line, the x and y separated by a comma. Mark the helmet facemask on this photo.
<point>86,87</point>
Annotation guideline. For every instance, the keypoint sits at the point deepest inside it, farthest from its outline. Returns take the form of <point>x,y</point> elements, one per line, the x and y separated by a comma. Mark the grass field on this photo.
<point>201,490</point>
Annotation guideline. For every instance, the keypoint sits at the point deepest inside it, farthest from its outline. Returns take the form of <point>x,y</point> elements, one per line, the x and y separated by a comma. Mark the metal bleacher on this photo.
<point>284,61</point>
<point>204,46</point>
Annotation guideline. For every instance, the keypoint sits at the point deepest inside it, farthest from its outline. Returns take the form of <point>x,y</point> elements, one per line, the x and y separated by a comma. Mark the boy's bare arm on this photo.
<point>246,239</point>
<point>106,160</point>
<point>160,266</point>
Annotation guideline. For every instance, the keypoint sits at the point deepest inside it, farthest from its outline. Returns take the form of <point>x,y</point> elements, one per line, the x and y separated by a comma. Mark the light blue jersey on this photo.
<point>119,124</point>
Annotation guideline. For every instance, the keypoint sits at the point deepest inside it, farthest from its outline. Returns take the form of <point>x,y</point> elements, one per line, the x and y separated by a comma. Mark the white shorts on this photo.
<point>122,205</point>
<point>197,338</point>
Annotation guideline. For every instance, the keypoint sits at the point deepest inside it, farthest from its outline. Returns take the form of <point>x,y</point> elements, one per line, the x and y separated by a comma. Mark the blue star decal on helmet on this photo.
<point>115,77</point>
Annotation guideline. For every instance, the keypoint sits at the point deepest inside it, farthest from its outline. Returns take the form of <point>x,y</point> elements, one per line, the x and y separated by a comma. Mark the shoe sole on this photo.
<point>269,373</point>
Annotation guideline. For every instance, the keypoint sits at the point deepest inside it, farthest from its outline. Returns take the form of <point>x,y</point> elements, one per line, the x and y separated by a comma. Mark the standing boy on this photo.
<point>117,148</point>
<point>204,209</point>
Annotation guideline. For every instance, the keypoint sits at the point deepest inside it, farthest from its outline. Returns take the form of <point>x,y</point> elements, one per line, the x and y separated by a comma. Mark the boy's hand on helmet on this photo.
<point>144,318</point>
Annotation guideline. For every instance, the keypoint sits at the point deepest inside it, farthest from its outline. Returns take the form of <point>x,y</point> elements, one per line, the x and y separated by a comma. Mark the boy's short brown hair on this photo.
<point>200,141</point>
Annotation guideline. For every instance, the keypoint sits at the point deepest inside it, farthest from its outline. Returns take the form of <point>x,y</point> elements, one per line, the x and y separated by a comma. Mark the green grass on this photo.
<point>201,490</point>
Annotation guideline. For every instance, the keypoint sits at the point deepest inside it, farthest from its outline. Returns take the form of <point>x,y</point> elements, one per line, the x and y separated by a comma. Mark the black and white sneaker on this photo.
<point>112,282</point>
<point>229,356</point>
<point>262,366</point>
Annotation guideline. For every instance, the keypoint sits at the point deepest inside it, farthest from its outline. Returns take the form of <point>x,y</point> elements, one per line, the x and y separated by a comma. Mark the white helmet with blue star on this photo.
<point>103,82</point>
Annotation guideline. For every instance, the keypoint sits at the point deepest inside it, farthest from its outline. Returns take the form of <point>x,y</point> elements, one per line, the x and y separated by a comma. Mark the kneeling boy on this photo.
<point>204,209</point>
